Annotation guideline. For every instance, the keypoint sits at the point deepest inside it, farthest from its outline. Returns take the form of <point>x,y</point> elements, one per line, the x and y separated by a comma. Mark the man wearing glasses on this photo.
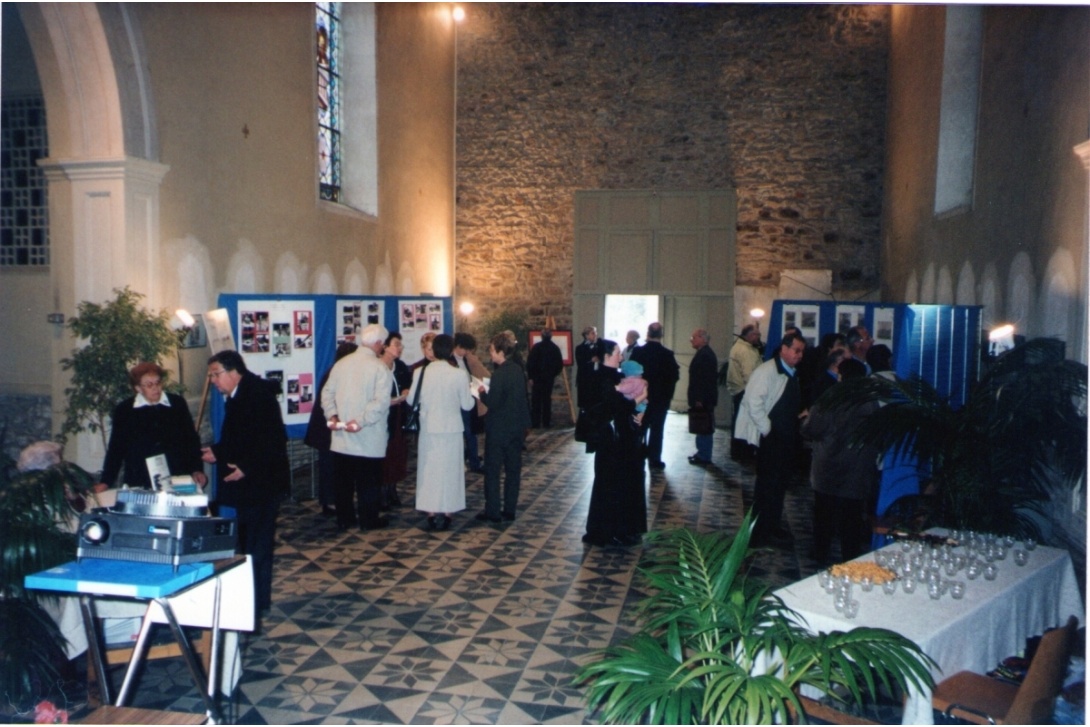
<point>251,459</point>
<point>859,342</point>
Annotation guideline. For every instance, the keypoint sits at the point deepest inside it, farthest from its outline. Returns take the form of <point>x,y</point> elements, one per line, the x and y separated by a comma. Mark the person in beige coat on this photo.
<point>356,398</point>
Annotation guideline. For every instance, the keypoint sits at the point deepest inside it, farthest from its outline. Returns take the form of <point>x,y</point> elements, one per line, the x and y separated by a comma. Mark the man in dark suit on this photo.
<point>703,391</point>
<point>662,372</point>
<point>588,355</point>
<point>252,462</point>
<point>543,365</point>
<point>504,429</point>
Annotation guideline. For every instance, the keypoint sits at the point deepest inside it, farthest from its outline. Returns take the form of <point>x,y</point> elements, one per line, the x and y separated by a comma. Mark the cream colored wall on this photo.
<point>1021,249</point>
<point>229,111</point>
<point>234,90</point>
<point>27,334</point>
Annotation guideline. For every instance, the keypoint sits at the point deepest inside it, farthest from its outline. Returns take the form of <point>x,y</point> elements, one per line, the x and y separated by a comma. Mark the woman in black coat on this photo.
<point>618,501</point>
<point>151,423</point>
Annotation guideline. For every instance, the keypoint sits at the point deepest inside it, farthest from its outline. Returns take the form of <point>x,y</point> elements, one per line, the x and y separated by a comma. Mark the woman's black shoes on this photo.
<point>444,523</point>
<point>432,523</point>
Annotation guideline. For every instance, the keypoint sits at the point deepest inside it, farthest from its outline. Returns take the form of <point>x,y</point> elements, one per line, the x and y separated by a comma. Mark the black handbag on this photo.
<point>412,419</point>
<point>701,421</point>
<point>583,427</point>
<point>594,430</point>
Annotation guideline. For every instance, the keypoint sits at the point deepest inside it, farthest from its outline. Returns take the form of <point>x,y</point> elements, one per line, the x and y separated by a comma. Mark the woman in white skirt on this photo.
<point>440,472</point>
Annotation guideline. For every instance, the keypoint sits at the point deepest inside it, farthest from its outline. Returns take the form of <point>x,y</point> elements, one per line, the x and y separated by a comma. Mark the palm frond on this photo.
<point>639,680</point>
<point>718,647</point>
<point>30,648</point>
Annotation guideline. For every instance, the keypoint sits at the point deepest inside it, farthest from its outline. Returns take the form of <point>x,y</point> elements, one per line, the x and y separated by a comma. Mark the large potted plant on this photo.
<point>995,463</point>
<point>118,334</point>
<point>717,647</point>
<point>36,510</point>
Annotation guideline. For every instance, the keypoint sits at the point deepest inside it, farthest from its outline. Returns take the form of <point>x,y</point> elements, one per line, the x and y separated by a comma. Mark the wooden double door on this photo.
<point>678,245</point>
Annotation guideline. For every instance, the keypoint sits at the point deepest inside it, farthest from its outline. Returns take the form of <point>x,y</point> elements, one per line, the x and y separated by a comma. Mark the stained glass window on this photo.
<point>328,29</point>
<point>24,205</point>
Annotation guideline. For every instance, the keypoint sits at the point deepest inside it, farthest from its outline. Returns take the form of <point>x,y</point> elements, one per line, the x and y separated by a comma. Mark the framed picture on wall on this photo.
<point>563,340</point>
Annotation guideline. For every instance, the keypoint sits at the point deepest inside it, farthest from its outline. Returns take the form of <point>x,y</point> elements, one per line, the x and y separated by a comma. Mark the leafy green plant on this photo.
<point>34,507</point>
<point>119,334</point>
<point>717,647</point>
<point>996,462</point>
<point>506,320</point>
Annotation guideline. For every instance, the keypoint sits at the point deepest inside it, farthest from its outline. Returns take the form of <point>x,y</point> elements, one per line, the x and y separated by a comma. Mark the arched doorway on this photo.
<point>103,182</point>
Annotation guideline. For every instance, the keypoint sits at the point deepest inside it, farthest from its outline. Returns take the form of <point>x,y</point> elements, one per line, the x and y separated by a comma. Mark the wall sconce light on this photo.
<point>466,309</point>
<point>1000,339</point>
<point>458,14</point>
<point>757,314</point>
<point>182,324</point>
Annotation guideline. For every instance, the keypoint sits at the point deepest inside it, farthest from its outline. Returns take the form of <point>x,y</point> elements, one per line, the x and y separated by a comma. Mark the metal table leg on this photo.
<point>94,647</point>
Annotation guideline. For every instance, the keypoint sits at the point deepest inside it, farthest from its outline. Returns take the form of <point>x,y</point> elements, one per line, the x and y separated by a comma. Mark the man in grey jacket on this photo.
<point>504,428</point>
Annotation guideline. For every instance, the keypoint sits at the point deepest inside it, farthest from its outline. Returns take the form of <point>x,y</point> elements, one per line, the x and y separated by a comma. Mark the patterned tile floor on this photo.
<point>481,624</point>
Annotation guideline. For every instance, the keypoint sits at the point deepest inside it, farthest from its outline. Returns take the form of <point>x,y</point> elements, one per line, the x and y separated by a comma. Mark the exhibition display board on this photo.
<point>941,344</point>
<point>291,339</point>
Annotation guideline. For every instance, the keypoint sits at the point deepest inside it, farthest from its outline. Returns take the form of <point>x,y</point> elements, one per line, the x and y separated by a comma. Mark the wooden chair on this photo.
<point>821,713</point>
<point>983,700</point>
<point>132,715</point>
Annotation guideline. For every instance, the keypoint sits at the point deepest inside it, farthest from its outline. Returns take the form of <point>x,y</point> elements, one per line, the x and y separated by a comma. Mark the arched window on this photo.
<point>346,105</point>
<point>958,113</point>
<point>328,33</point>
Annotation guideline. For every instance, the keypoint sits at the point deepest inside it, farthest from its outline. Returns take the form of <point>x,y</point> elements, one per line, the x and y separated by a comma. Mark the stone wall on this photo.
<point>23,420</point>
<point>784,103</point>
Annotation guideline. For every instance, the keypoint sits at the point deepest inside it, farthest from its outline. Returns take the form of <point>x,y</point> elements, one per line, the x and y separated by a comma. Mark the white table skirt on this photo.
<point>990,623</point>
<point>192,608</point>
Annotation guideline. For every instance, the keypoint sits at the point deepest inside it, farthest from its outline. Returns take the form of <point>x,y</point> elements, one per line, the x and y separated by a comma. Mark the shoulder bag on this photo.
<point>412,420</point>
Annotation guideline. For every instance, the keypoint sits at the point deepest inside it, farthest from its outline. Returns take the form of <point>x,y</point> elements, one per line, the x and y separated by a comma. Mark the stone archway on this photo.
<point>103,174</point>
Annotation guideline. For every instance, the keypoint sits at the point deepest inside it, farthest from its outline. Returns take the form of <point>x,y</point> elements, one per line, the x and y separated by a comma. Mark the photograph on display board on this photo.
<point>281,340</point>
<point>415,318</point>
<point>247,332</point>
<point>354,315</point>
<point>300,394</point>
<point>883,326</point>
<point>304,333</point>
<point>850,316</point>
<point>807,318</point>
<point>277,337</point>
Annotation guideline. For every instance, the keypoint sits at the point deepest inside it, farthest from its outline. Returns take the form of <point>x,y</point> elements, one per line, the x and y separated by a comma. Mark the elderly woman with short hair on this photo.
<point>150,423</point>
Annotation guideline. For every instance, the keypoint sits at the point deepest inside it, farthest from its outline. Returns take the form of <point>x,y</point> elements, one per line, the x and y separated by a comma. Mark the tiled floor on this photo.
<point>481,624</point>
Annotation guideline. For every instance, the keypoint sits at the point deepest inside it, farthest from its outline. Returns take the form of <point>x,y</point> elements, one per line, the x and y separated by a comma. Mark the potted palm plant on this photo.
<point>995,463</point>
<point>717,647</point>
<point>35,509</point>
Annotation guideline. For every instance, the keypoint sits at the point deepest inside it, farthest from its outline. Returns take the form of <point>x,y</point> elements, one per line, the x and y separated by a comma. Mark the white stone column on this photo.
<point>112,207</point>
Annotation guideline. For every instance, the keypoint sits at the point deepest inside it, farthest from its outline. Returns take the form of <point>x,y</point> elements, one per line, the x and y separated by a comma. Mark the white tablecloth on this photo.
<point>990,623</point>
<point>192,607</point>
